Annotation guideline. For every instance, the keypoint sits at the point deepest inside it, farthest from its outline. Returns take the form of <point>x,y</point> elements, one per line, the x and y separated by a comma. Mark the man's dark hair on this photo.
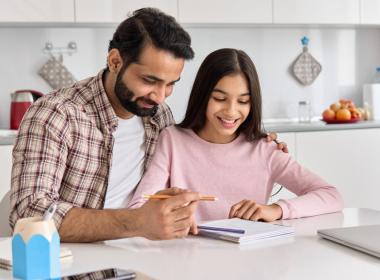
<point>218,64</point>
<point>150,26</point>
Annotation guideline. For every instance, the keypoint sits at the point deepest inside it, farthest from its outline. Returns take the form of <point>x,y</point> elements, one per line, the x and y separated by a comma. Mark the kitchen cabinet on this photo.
<point>348,159</point>
<point>6,166</point>
<point>5,186</point>
<point>316,12</point>
<point>37,11</point>
<point>370,11</point>
<point>225,11</point>
<point>195,11</point>
<point>115,11</point>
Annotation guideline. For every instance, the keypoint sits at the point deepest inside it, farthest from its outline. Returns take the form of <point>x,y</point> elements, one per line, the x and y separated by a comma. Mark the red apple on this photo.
<point>328,115</point>
<point>356,114</point>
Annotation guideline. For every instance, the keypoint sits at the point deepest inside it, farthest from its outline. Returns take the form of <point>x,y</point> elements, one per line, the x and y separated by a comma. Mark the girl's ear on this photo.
<point>114,61</point>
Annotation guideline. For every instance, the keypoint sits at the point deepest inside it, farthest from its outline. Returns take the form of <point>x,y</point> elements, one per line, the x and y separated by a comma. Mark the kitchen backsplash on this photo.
<point>348,56</point>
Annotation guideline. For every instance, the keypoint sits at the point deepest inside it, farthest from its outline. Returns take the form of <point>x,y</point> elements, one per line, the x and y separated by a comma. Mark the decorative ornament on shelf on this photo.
<point>306,68</point>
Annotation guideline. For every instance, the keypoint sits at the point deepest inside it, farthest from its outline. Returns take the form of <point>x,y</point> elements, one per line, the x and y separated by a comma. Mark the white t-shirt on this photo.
<point>127,162</point>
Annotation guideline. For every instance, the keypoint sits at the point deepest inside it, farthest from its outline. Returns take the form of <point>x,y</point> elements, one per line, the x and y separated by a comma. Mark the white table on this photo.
<point>305,256</point>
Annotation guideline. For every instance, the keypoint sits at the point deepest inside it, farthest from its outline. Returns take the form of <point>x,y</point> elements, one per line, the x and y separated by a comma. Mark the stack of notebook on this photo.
<point>6,254</point>
<point>243,231</point>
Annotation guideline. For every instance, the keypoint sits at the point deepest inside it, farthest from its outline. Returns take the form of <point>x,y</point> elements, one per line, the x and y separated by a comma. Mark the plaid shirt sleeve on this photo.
<point>39,158</point>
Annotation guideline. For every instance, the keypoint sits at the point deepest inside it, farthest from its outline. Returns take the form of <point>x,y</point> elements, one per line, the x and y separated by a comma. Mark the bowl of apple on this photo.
<point>343,111</point>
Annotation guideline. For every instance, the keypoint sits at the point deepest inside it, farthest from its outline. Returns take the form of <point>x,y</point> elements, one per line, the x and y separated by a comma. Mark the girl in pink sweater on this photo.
<point>218,149</point>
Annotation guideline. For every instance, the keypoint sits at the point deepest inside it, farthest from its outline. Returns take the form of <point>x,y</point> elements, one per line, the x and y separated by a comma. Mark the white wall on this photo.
<point>348,57</point>
<point>21,57</point>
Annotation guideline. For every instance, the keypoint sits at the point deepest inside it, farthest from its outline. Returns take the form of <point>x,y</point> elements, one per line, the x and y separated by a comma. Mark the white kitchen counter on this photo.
<point>7,137</point>
<point>293,126</point>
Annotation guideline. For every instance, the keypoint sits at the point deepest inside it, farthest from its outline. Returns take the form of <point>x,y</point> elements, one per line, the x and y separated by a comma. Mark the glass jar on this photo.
<point>304,112</point>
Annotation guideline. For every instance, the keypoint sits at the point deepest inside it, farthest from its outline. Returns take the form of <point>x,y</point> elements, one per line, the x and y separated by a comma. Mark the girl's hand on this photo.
<point>193,227</point>
<point>250,210</point>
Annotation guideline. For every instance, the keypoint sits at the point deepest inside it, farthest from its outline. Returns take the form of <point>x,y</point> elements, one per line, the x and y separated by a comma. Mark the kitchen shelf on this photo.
<point>293,126</point>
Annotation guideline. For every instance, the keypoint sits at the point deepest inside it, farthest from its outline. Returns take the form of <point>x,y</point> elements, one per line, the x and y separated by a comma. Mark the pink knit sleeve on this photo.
<point>158,173</point>
<point>314,195</point>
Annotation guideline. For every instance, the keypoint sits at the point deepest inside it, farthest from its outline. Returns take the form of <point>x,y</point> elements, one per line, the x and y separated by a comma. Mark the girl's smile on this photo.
<point>228,123</point>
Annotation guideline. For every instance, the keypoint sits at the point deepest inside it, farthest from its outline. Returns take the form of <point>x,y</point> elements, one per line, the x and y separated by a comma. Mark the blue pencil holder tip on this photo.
<point>36,250</point>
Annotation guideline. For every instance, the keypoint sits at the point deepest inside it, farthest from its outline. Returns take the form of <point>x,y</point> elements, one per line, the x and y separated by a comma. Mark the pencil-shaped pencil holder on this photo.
<point>35,249</point>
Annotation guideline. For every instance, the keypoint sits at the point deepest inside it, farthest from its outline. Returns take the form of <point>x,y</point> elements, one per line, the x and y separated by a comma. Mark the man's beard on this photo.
<point>125,97</point>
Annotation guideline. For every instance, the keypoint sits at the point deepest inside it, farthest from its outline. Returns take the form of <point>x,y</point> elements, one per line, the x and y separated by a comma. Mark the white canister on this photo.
<point>371,96</point>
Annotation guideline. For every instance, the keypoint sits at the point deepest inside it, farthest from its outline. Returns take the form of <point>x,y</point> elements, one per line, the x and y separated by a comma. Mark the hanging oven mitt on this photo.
<point>306,68</point>
<point>56,74</point>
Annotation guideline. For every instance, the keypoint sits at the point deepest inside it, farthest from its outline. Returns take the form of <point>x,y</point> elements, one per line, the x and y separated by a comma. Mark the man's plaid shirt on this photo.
<point>63,150</point>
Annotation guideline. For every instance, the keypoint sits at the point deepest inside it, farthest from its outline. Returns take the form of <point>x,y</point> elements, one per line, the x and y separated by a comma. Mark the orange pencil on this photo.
<point>164,196</point>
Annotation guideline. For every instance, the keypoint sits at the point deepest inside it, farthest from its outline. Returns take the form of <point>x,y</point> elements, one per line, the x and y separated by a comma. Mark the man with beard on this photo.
<point>86,147</point>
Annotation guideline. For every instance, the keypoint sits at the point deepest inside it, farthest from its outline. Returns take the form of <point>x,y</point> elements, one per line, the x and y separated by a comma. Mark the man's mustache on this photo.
<point>148,101</point>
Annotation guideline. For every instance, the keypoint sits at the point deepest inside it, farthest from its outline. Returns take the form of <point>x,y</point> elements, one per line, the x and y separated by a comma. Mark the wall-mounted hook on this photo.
<point>50,49</point>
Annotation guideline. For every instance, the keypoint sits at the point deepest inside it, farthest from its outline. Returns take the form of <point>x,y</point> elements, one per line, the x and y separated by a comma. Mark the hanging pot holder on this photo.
<point>56,74</point>
<point>306,68</point>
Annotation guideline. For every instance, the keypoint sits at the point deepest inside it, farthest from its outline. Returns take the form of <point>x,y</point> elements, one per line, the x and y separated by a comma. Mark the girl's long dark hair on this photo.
<point>218,64</point>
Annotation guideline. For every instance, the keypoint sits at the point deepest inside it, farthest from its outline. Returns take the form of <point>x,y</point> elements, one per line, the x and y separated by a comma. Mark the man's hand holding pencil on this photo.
<point>175,192</point>
<point>168,217</point>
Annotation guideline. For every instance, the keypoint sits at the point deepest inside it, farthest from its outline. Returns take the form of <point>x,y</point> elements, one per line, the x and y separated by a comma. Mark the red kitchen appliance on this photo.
<point>21,101</point>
